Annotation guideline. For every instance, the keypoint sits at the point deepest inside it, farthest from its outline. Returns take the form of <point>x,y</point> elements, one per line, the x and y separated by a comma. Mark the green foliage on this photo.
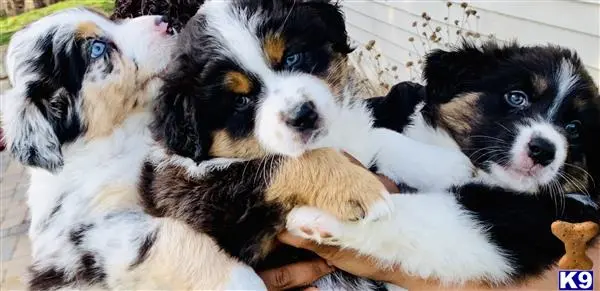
<point>9,25</point>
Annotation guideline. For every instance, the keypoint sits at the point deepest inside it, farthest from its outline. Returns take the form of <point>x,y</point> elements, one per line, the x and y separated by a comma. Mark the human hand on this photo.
<point>296,275</point>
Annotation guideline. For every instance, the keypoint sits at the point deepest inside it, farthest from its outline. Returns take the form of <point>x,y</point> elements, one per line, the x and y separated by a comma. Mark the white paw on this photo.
<point>382,209</point>
<point>314,224</point>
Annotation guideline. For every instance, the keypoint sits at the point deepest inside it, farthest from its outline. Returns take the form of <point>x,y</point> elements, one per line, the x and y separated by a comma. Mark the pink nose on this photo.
<point>161,23</point>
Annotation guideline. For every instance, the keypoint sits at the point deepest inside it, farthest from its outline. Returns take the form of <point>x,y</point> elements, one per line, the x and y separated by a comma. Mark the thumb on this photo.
<point>295,275</point>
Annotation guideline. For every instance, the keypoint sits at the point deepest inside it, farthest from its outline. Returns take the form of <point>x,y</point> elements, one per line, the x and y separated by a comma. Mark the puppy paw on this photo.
<point>314,224</point>
<point>356,195</point>
<point>328,180</point>
<point>458,170</point>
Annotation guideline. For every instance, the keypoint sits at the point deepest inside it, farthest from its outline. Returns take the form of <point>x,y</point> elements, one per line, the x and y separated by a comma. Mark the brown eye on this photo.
<point>242,103</point>
<point>573,129</point>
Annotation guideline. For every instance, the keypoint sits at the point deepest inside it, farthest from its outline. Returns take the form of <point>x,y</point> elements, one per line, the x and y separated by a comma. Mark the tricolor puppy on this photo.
<point>77,116</point>
<point>251,120</point>
<point>528,119</point>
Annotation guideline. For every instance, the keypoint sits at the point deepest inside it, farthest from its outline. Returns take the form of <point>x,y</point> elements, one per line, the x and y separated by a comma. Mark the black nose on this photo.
<point>161,19</point>
<point>541,151</point>
<point>304,117</point>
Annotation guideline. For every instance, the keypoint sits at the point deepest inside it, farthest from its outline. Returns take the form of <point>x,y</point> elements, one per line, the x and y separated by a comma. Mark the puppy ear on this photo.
<point>29,134</point>
<point>450,72</point>
<point>332,16</point>
<point>175,123</point>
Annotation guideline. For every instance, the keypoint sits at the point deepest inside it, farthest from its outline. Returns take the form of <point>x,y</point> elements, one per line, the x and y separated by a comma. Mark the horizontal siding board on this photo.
<point>392,24</point>
<point>503,27</point>
<point>397,59</point>
<point>390,21</point>
<point>546,12</point>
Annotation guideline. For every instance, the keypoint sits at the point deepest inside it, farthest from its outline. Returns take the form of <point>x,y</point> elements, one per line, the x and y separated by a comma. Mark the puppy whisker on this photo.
<point>586,173</point>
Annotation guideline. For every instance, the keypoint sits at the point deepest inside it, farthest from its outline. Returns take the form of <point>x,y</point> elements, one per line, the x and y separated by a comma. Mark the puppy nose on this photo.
<point>541,151</point>
<point>162,24</point>
<point>161,19</point>
<point>304,117</point>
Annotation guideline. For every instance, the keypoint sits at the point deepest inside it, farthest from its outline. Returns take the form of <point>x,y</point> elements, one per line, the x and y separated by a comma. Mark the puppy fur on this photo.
<point>178,11</point>
<point>77,116</point>
<point>492,103</point>
<point>250,123</point>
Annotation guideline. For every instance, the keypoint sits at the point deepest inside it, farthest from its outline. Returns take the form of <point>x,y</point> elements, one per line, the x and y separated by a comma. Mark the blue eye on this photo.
<point>573,129</point>
<point>517,99</point>
<point>293,61</point>
<point>97,49</point>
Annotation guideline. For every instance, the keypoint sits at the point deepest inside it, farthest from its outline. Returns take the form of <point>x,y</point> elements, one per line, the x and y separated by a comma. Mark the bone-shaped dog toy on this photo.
<point>575,237</point>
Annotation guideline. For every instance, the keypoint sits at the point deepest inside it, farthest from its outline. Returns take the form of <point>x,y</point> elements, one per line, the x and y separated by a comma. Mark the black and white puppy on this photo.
<point>250,123</point>
<point>77,116</point>
<point>528,118</point>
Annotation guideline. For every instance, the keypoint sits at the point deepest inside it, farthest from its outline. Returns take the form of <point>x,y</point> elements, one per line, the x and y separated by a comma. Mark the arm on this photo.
<point>423,166</point>
<point>349,261</point>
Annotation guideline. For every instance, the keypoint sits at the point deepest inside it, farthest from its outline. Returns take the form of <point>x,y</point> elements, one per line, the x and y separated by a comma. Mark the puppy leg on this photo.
<point>326,179</point>
<point>242,204</point>
<point>423,166</point>
<point>429,235</point>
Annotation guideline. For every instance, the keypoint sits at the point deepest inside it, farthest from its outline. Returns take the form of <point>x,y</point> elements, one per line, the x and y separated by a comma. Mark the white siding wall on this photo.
<point>571,23</point>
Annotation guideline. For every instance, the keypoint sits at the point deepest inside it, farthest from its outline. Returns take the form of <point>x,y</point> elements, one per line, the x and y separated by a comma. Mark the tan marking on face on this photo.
<point>338,74</point>
<point>460,114</point>
<point>238,83</point>
<point>87,29</point>
<point>581,104</point>
<point>540,84</point>
<point>274,47</point>
<point>111,100</point>
<point>225,146</point>
<point>326,179</point>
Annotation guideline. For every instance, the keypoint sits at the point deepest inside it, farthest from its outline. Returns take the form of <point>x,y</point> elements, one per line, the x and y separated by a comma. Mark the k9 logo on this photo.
<point>575,280</point>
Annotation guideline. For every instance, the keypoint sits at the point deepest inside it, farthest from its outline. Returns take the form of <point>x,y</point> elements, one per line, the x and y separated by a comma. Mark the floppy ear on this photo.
<point>175,122</point>
<point>29,133</point>
<point>332,16</point>
<point>175,126</point>
<point>449,72</point>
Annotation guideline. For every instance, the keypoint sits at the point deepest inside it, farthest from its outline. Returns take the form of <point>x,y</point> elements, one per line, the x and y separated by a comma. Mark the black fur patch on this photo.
<point>58,206</point>
<point>54,94</point>
<point>89,270</point>
<point>231,210</point>
<point>50,279</point>
<point>519,223</point>
<point>395,110</point>
<point>178,11</point>
<point>54,278</point>
<point>78,233</point>
<point>144,248</point>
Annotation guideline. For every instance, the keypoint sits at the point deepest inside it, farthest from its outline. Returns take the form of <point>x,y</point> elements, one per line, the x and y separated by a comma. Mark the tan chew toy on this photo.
<point>575,237</point>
